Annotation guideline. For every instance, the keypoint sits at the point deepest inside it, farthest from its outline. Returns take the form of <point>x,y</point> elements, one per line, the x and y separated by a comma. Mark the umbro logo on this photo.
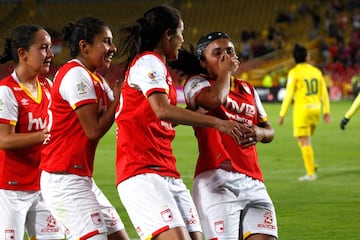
<point>24,102</point>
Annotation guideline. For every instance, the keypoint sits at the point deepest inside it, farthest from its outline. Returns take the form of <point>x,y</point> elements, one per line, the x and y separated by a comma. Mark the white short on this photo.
<point>232,205</point>
<point>80,205</point>
<point>26,210</point>
<point>156,204</point>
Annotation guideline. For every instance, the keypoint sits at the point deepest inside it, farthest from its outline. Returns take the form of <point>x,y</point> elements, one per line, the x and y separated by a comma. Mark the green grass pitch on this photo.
<point>325,209</point>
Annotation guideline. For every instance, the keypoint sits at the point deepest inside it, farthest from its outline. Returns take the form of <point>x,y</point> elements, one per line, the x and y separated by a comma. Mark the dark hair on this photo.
<point>84,29</point>
<point>299,53</point>
<point>187,62</point>
<point>204,41</point>
<point>22,36</point>
<point>146,32</point>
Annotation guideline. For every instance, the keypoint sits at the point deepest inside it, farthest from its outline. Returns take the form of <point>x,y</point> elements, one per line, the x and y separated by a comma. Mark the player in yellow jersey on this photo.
<point>306,86</point>
<point>351,112</point>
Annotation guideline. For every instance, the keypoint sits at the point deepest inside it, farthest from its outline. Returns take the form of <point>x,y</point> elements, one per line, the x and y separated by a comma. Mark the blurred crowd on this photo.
<point>336,31</point>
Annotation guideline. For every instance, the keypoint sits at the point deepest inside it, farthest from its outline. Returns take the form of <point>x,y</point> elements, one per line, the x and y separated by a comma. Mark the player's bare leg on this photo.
<point>196,235</point>
<point>119,235</point>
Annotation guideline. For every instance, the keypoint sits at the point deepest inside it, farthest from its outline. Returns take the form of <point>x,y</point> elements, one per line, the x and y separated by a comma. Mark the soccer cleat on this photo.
<point>307,178</point>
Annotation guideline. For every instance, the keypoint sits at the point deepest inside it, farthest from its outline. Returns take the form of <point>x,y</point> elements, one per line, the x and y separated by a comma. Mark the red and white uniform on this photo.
<point>144,141</point>
<point>68,156</point>
<point>28,114</point>
<point>149,184</point>
<point>74,86</point>
<point>228,177</point>
<point>243,105</point>
<point>22,206</point>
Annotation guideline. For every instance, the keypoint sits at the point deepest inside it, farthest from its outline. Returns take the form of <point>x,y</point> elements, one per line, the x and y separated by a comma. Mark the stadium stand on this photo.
<point>291,21</point>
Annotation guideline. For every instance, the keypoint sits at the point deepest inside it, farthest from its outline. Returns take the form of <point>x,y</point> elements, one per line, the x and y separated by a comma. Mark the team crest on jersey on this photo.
<point>219,226</point>
<point>96,218</point>
<point>268,221</point>
<point>152,75</point>
<point>167,215</point>
<point>81,88</point>
<point>51,221</point>
<point>51,225</point>
<point>2,104</point>
<point>9,234</point>
<point>268,218</point>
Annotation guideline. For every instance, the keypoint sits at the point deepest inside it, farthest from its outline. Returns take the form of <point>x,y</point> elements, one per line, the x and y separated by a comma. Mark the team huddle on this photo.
<point>49,132</point>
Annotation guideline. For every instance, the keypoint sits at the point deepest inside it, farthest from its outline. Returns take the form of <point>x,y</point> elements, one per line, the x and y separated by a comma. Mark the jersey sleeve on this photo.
<point>290,88</point>
<point>193,87</point>
<point>263,117</point>
<point>77,88</point>
<point>148,75</point>
<point>107,89</point>
<point>49,82</point>
<point>8,106</point>
<point>325,98</point>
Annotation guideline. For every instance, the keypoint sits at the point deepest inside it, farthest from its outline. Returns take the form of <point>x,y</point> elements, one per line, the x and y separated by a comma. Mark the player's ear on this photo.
<point>84,46</point>
<point>21,53</point>
<point>168,33</point>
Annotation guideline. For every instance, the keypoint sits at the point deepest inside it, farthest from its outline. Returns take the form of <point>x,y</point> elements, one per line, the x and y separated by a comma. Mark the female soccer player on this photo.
<point>228,187</point>
<point>148,182</point>
<point>307,88</point>
<point>82,109</point>
<point>24,98</point>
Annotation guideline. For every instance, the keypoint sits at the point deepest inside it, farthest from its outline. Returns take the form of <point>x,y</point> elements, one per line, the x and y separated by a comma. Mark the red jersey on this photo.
<point>69,150</point>
<point>242,105</point>
<point>143,142</point>
<point>19,169</point>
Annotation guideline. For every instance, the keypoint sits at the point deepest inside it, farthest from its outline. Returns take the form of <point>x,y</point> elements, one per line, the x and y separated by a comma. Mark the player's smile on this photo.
<point>108,57</point>
<point>48,61</point>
